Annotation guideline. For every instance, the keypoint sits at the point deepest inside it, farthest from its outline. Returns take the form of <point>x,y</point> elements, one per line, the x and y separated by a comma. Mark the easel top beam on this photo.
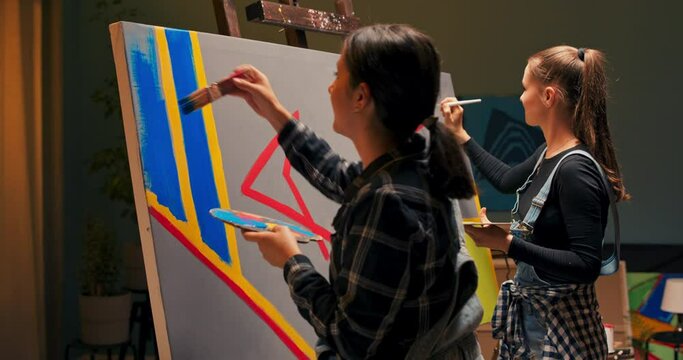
<point>299,18</point>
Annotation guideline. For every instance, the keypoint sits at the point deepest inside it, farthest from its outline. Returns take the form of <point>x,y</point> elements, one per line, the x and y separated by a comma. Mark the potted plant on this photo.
<point>104,305</point>
<point>113,164</point>
<point>105,302</point>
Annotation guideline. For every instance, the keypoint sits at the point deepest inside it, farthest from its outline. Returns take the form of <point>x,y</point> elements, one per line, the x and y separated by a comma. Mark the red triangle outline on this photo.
<point>303,217</point>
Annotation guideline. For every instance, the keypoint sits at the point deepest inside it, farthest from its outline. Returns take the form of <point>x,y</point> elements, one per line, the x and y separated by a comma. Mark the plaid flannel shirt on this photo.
<point>390,275</point>
<point>575,329</point>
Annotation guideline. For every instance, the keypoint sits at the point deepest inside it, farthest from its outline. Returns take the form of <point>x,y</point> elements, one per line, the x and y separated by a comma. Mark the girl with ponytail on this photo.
<point>397,280</point>
<point>563,191</point>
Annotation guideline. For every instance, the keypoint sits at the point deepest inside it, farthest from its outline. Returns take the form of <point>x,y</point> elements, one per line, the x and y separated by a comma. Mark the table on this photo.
<point>669,337</point>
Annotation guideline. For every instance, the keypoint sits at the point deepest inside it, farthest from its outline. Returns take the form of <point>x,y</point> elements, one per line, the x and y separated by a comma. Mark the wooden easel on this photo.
<point>288,15</point>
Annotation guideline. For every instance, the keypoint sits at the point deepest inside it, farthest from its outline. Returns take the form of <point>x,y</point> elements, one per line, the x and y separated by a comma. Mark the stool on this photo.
<point>95,349</point>
<point>141,313</point>
<point>669,337</point>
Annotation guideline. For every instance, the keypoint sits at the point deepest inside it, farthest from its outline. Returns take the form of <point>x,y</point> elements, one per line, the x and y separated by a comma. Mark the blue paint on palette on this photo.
<point>294,228</point>
<point>239,221</point>
<point>202,183</point>
<point>161,173</point>
<point>249,221</point>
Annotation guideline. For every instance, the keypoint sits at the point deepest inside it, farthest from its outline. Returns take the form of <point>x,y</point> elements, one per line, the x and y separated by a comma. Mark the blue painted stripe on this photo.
<point>158,161</point>
<point>199,164</point>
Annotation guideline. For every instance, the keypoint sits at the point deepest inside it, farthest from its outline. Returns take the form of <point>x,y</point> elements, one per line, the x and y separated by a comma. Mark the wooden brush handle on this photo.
<point>227,85</point>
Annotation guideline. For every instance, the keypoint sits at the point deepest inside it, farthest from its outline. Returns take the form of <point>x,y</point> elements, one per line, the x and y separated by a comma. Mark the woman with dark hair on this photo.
<point>398,287</point>
<point>564,191</point>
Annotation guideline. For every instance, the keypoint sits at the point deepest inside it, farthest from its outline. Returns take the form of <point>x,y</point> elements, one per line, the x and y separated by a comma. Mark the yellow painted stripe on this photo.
<point>487,288</point>
<point>168,88</point>
<point>242,282</point>
<point>191,228</point>
<point>476,201</point>
<point>478,206</point>
<point>276,316</point>
<point>221,184</point>
<point>215,151</point>
<point>188,230</point>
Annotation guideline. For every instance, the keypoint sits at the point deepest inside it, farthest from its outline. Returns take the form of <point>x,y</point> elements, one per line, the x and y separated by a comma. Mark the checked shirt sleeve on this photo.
<point>356,314</point>
<point>313,158</point>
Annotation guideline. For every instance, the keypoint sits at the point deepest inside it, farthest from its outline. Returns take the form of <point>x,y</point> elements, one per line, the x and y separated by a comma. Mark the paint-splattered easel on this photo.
<point>295,20</point>
<point>289,15</point>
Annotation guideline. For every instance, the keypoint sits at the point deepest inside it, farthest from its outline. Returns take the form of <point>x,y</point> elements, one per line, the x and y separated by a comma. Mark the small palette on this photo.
<point>253,222</point>
<point>479,224</point>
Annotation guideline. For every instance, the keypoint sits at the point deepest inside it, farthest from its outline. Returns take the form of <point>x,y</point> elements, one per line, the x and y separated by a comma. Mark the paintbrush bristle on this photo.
<point>194,101</point>
<point>204,96</point>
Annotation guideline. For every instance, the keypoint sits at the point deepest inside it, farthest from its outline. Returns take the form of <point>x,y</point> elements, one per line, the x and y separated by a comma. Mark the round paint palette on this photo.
<point>253,222</point>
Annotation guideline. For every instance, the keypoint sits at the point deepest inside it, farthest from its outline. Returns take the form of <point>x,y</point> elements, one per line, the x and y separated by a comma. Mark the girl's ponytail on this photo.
<point>580,76</point>
<point>590,125</point>
<point>450,174</point>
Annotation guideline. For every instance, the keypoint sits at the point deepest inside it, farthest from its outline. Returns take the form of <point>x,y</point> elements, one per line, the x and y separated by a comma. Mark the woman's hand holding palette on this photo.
<point>252,222</point>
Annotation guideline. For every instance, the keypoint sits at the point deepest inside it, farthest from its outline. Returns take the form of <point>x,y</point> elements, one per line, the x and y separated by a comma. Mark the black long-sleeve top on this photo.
<point>567,240</point>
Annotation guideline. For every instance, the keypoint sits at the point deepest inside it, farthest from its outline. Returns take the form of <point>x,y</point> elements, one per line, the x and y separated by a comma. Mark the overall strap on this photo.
<point>528,180</point>
<point>609,265</point>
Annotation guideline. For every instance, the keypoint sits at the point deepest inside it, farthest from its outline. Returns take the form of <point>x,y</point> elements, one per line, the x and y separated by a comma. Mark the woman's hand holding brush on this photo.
<point>253,86</point>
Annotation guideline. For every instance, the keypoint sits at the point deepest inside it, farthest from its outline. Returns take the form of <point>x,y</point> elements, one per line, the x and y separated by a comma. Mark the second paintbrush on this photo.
<point>209,94</point>
<point>463,102</point>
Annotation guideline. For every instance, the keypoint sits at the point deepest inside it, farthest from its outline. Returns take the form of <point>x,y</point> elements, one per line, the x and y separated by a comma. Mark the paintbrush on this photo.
<point>463,102</point>
<point>209,94</point>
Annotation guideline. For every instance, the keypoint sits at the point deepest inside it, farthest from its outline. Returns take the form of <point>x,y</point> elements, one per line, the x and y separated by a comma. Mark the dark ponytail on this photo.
<point>450,175</point>
<point>579,75</point>
<point>402,68</point>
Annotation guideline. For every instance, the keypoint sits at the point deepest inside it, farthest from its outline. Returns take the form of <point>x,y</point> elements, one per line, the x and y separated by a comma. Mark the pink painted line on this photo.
<point>287,174</point>
<point>308,218</point>
<point>168,225</point>
<point>305,218</point>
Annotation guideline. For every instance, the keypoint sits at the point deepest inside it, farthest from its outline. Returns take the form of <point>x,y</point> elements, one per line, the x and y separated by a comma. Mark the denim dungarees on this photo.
<point>534,327</point>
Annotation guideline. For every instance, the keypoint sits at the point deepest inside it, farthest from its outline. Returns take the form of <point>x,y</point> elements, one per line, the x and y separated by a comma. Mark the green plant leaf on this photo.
<point>101,266</point>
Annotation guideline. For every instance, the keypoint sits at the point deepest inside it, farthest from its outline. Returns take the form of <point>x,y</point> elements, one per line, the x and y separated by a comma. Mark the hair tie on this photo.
<point>582,52</point>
